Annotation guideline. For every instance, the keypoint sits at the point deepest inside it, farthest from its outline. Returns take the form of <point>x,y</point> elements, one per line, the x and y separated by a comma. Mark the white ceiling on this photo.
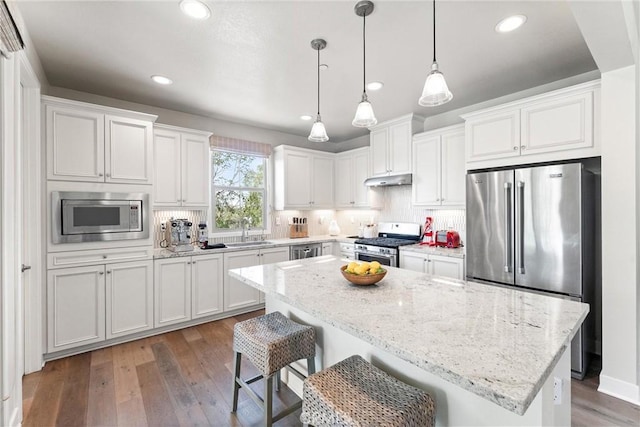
<point>251,62</point>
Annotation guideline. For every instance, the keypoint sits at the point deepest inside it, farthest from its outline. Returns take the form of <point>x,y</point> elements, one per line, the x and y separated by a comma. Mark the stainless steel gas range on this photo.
<point>384,248</point>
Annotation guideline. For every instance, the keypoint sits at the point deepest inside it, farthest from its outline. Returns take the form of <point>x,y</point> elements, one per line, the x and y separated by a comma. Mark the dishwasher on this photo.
<point>305,251</point>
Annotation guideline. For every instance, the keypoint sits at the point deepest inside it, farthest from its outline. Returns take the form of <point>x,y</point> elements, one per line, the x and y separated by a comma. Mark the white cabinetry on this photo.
<point>437,265</point>
<point>129,298</point>
<point>390,144</point>
<point>352,169</point>
<point>303,179</point>
<point>557,125</point>
<point>181,167</point>
<point>238,295</point>
<point>438,168</point>
<point>328,248</point>
<point>90,143</point>
<point>187,288</point>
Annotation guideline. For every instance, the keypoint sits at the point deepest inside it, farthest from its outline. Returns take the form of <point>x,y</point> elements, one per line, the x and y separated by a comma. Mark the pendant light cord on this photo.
<point>434,30</point>
<point>364,54</point>
<point>318,82</point>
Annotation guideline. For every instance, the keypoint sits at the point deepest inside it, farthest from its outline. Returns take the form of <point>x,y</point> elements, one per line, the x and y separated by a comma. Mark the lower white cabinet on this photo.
<point>327,248</point>
<point>433,264</point>
<point>187,288</point>
<point>237,294</point>
<point>129,298</point>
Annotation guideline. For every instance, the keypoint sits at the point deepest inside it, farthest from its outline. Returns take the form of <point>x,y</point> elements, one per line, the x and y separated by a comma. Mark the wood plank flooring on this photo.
<point>184,378</point>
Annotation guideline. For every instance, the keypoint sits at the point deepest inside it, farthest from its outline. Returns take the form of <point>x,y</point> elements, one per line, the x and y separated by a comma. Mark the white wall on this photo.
<point>620,317</point>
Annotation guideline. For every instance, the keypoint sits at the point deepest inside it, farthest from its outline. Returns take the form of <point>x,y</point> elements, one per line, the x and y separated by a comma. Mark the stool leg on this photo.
<point>278,381</point>
<point>237,359</point>
<point>311,366</point>
<point>268,401</point>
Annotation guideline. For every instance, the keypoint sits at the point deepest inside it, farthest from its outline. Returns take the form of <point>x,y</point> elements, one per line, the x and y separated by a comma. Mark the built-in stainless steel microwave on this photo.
<point>90,217</point>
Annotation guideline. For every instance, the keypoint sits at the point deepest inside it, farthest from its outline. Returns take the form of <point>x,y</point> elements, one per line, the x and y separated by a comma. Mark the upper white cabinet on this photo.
<point>438,168</point>
<point>303,178</point>
<point>181,167</point>
<point>352,169</point>
<point>390,144</point>
<point>90,143</point>
<point>554,126</point>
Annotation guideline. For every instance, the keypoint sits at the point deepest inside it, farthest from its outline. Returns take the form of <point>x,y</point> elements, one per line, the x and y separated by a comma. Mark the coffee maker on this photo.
<point>178,235</point>
<point>203,235</point>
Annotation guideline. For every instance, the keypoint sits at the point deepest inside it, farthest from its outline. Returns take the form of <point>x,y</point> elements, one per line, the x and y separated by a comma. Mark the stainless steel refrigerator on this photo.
<point>533,228</point>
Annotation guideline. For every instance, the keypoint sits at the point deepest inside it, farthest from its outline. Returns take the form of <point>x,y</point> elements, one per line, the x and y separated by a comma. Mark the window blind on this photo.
<point>240,146</point>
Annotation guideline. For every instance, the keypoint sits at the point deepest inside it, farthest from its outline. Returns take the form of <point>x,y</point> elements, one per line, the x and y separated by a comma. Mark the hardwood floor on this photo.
<point>184,378</point>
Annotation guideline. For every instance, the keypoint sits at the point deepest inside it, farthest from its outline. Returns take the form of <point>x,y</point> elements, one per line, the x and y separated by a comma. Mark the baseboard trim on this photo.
<point>620,389</point>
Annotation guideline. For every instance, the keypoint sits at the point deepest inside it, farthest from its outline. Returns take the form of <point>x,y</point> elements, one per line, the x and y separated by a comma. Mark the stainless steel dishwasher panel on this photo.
<point>305,251</point>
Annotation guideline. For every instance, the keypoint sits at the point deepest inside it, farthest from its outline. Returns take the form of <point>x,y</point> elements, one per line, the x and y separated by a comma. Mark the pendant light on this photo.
<point>318,132</point>
<point>435,90</point>
<point>364,114</point>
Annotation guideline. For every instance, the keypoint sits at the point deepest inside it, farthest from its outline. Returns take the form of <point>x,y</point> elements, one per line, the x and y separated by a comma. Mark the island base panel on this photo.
<point>454,405</point>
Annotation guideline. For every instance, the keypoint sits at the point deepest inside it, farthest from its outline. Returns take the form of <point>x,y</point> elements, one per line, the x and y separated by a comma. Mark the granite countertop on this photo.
<point>160,253</point>
<point>433,250</point>
<point>498,343</point>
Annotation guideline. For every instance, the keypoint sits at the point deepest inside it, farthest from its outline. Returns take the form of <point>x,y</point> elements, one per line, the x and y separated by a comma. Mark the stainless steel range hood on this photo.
<point>387,181</point>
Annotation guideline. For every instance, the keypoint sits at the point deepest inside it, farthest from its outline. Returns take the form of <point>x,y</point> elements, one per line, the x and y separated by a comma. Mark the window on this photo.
<point>238,190</point>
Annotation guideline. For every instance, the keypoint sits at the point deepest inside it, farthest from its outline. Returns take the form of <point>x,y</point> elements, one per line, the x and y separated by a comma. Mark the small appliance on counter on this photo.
<point>447,238</point>
<point>203,235</point>
<point>298,228</point>
<point>178,235</point>
<point>427,232</point>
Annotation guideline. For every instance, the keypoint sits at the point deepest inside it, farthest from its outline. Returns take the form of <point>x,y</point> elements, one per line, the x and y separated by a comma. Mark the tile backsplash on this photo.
<point>397,207</point>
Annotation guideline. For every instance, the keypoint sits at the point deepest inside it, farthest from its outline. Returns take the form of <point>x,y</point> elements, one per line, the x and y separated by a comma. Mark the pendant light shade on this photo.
<point>435,92</point>
<point>364,113</point>
<point>318,132</point>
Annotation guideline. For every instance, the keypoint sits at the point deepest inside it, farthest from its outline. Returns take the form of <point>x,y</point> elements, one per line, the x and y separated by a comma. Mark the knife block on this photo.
<point>297,231</point>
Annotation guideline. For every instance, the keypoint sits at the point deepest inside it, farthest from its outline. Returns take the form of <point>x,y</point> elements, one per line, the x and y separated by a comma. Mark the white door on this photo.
<point>453,170</point>
<point>207,284</point>
<point>195,171</point>
<point>297,175</point>
<point>425,189</point>
<point>400,148</point>
<point>344,181</point>
<point>75,144</point>
<point>446,266</point>
<point>360,174</point>
<point>493,136</point>
<point>237,294</point>
<point>327,248</point>
<point>128,148</point>
<point>75,307</point>
<point>271,256</point>
<point>379,141</point>
<point>322,181</point>
<point>166,167</point>
<point>413,261</point>
<point>129,305</point>
<point>172,291</point>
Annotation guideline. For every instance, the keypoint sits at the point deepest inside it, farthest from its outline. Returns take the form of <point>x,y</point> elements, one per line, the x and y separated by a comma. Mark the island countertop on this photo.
<point>499,343</point>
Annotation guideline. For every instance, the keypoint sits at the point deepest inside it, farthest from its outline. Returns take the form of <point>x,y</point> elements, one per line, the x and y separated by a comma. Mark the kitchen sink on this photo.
<point>240,244</point>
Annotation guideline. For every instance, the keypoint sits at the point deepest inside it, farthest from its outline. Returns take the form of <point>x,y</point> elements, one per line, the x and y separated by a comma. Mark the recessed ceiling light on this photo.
<point>511,23</point>
<point>375,85</point>
<point>195,9</point>
<point>162,80</point>
<point>305,117</point>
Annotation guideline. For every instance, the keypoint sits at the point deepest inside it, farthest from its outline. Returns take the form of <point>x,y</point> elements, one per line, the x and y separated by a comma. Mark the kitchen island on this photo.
<point>488,355</point>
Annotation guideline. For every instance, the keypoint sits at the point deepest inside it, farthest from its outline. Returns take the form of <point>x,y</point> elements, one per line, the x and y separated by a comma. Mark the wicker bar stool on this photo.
<point>271,342</point>
<point>353,392</point>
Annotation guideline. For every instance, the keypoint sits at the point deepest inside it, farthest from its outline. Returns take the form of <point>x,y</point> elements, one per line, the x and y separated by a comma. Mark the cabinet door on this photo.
<point>271,256</point>
<point>446,266</point>
<point>453,170</point>
<point>297,175</point>
<point>360,174</point>
<point>237,294</point>
<point>379,142</point>
<point>561,124</point>
<point>207,275</point>
<point>128,150</point>
<point>344,180</point>
<point>75,144</point>
<point>426,171</point>
<point>75,307</point>
<point>493,136</point>
<point>413,261</point>
<point>172,291</point>
<point>195,171</point>
<point>327,248</point>
<point>129,298</point>
<point>322,182</point>
<point>166,167</point>
<point>400,148</point>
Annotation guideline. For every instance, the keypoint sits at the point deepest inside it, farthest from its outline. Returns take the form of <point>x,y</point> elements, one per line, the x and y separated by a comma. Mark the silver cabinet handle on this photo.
<point>104,257</point>
<point>108,271</point>
<point>25,268</point>
<point>101,273</point>
<point>521,228</point>
<point>515,148</point>
<point>100,174</point>
<point>523,147</point>
<point>507,227</point>
<point>108,175</point>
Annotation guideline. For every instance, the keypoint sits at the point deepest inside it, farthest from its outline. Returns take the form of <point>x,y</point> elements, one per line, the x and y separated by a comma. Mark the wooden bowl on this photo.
<point>356,279</point>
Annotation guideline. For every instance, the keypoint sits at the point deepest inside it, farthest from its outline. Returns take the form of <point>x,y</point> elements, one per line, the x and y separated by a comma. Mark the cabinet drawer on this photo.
<point>100,256</point>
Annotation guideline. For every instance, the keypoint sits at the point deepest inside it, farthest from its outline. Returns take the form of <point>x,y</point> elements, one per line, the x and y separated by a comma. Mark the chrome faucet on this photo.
<point>244,224</point>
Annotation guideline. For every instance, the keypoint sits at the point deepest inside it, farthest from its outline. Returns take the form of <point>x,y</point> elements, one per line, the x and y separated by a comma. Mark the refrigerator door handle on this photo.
<point>521,227</point>
<point>507,227</point>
